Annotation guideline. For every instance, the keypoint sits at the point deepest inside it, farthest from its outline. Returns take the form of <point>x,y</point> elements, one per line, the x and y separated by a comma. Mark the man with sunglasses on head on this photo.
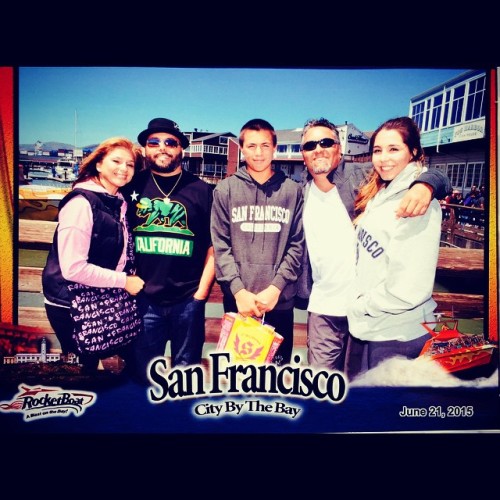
<point>330,189</point>
<point>169,214</point>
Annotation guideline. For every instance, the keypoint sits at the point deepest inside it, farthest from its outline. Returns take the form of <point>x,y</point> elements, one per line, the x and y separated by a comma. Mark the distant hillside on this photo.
<point>50,146</point>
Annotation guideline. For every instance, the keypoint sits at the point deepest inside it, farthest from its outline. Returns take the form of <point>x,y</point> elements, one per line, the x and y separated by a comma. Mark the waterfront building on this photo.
<point>211,156</point>
<point>39,357</point>
<point>452,121</point>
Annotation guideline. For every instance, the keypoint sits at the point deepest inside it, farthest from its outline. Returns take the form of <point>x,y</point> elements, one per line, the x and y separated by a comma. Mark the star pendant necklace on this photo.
<point>166,198</point>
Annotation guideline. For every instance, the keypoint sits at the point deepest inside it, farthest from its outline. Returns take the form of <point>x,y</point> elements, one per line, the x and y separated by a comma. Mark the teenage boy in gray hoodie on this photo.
<point>256,229</point>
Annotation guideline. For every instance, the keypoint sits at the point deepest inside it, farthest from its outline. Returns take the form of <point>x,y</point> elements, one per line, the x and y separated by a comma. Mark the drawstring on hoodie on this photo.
<point>267,190</point>
<point>255,203</point>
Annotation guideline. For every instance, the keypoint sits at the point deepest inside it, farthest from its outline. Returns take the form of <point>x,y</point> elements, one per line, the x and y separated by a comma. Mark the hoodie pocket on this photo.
<point>256,277</point>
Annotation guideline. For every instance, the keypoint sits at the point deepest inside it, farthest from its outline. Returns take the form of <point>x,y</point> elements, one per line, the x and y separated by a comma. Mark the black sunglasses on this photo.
<point>324,143</point>
<point>155,143</point>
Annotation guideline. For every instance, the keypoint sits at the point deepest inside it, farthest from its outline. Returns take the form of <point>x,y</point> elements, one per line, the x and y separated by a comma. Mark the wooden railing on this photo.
<point>463,226</point>
<point>464,263</point>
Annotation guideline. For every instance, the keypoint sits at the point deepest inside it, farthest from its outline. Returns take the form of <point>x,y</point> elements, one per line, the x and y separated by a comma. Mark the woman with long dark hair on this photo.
<point>396,258</point>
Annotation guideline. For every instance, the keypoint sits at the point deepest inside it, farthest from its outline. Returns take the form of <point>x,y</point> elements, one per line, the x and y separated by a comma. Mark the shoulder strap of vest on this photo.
<point>101,201</point>
<point>77,191</point>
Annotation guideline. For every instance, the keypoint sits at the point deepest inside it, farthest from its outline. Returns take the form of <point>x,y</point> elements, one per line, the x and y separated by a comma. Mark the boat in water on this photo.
<point>65,170</point>
<point>456,351</point>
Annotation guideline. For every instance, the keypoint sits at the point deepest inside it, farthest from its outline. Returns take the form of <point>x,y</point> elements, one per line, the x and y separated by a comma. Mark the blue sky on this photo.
<point>111,101</point>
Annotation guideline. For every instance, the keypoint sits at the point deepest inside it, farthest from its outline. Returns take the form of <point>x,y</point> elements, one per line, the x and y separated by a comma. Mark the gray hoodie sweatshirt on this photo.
<point>396,266</point>
<point>257,234</point>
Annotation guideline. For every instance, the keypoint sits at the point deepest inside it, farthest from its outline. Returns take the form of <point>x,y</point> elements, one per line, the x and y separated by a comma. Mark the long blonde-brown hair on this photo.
<point>410,134</point>
<point>88,168</point>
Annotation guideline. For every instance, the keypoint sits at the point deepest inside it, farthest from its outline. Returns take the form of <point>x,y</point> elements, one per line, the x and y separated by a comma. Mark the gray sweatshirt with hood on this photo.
<point>257,234</point>
<point>396,266</point>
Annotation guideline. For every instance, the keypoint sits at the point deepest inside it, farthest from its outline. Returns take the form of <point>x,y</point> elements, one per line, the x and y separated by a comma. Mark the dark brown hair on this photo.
<point>410,134</point>
<point>257,124</point>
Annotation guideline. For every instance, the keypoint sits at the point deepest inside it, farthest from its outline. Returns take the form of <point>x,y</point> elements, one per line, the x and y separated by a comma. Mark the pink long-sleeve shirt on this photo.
<point>74,233</point>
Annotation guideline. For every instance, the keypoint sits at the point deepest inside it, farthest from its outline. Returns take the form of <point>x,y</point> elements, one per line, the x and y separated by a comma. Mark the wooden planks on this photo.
<point>30,279</point>
<point>460,260</point>
<point>461,305</point>
<point>36,231</point>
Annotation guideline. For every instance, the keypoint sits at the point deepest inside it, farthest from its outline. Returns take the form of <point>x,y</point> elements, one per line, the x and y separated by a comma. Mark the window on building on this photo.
<point>456,173</point>
<point>446,107</point>
<point>295,148</point>
<point>474,176</point>
<point>436,111</point>
<point>427,114</point>
<point>223,140</point>
<point>418,114</point>
<point>458,104</point>
<point>282,148</point>
<point>475,99</point>
<point>216,169</point>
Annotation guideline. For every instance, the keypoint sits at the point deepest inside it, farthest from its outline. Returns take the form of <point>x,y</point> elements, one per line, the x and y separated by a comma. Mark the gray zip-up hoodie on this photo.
<point>257,234</point>
<point>396,266</point>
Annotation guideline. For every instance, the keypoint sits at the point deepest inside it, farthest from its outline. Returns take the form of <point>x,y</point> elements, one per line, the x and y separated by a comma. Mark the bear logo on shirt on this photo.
<point>163,216</point>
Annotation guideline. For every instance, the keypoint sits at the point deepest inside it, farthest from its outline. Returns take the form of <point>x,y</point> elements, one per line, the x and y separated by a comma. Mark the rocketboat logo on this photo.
<point>45,402</point>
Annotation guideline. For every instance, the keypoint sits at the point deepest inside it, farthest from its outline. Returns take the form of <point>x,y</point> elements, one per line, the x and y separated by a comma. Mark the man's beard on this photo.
<point>164,169</point>
<point>321,169</point>
<point>321,166</point>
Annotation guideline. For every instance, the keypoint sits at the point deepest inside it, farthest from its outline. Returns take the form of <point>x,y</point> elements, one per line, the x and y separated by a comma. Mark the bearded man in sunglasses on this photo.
<point>330,189</point>
<point>169,215</point>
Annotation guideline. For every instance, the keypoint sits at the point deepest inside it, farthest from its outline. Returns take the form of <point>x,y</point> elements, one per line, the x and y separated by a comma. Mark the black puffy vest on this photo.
<point>106,244</point>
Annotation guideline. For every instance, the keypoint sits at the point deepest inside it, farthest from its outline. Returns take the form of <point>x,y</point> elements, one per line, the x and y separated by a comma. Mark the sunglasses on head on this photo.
<point>324,143</point>
<point>155,143</point>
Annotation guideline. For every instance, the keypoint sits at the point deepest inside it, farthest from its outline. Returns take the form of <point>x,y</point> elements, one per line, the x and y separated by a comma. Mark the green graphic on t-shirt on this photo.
<point>162,216</point>
<point>160,245</point>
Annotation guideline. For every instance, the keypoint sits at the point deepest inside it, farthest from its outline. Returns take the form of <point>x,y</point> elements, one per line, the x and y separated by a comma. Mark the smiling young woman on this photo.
<point>396,257</point>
